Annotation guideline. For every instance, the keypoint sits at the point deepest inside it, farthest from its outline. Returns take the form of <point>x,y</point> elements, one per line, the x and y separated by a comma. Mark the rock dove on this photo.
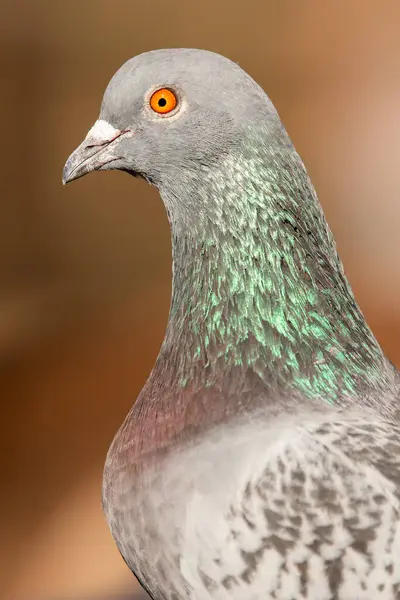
<point>261,461</point>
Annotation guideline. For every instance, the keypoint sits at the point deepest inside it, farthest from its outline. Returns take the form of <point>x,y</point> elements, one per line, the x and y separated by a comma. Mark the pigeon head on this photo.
<point>166,113</point>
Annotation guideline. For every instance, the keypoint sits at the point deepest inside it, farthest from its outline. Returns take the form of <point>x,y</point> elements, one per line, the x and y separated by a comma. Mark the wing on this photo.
<point>321,521</point>
<point>296,508</point>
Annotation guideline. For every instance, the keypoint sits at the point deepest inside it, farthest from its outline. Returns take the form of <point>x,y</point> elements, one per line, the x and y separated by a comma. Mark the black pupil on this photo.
<point>162,102</point>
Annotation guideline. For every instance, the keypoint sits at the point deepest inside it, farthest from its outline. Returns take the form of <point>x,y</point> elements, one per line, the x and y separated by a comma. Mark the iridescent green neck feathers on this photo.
<point>258,283</point>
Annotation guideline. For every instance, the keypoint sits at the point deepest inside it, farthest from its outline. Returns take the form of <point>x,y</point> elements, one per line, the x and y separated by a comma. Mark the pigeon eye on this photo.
<point>163,101</point>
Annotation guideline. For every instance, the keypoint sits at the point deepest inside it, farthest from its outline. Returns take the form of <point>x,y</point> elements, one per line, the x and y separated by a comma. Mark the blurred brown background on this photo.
<point>85,271</point>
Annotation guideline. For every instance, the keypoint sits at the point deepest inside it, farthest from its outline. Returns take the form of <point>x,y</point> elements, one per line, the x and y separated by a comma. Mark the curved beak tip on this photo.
<point>66,173</point>
<point>97,150</point>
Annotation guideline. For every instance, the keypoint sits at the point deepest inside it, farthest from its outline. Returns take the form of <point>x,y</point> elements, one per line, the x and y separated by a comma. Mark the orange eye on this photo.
<point>163,101</point>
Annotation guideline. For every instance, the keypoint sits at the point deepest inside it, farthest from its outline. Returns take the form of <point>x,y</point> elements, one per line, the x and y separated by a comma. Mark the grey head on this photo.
<point>216,101</point>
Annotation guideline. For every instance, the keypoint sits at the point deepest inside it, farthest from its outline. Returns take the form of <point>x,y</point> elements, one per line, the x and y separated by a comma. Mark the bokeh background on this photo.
<point>85,271</point>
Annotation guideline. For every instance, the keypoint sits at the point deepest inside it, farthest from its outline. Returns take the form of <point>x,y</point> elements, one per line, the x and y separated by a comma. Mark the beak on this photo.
<point>97,151</point>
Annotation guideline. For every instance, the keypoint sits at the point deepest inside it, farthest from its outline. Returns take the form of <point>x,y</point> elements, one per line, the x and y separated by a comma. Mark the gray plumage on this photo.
<point>262,457</point>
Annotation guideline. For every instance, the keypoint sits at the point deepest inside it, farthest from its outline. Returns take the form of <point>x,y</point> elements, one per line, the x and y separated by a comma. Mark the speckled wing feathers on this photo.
<point>314,515</point>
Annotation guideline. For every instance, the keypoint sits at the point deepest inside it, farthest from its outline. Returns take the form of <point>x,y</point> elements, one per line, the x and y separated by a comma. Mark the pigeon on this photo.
<point>261,460</point>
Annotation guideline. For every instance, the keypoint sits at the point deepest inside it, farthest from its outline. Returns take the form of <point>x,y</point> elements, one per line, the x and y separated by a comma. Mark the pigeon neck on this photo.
<point>258,286</point>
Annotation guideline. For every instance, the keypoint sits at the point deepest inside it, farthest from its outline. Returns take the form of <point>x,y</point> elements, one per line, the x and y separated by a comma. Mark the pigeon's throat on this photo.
<point>258,286</point>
